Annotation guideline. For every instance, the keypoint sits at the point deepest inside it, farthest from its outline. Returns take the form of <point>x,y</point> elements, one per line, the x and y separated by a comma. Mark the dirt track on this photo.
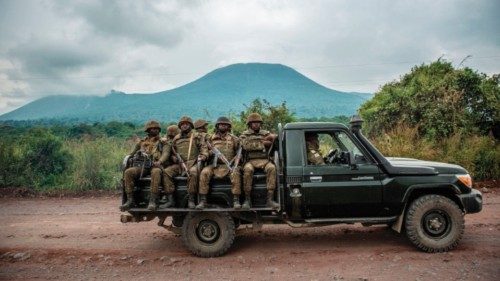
<point>82,239</point>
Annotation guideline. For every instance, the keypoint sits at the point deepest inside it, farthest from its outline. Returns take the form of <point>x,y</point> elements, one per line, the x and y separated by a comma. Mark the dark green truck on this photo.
<point>357,184</point>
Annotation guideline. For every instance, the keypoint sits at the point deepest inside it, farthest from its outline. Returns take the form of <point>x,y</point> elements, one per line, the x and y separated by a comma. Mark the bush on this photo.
<point>480,155</point>
<point>96,163</point>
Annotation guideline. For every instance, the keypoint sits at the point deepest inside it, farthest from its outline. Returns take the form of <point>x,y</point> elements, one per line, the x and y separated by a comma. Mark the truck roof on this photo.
<point>314,125</point>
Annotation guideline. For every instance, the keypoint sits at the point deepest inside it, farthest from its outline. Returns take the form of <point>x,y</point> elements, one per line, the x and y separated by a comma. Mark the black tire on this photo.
<point>434,223</point>
<point>208,234</point>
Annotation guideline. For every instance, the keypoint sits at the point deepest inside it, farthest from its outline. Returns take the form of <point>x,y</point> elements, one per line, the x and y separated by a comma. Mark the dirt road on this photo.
<point>82,239</point>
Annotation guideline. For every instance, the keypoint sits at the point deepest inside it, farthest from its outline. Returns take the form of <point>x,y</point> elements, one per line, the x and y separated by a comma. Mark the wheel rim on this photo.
<point>436,223</point>
<point>208,231</point>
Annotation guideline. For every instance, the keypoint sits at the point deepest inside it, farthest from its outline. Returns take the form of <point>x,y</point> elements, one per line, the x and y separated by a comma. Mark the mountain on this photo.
<point>223,91</point>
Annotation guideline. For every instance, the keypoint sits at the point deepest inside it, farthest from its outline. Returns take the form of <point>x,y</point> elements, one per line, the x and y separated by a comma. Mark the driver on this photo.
<point>313,154</point>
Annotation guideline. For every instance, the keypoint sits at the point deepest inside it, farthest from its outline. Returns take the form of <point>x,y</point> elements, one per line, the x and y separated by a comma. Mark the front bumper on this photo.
<point>472,202</point>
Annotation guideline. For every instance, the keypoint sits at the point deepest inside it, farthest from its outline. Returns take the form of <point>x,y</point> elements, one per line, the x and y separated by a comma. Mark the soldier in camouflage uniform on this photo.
<point>201,126</point>
<point>313,154</point>
<point>191,147</point>
<point>228,145</point>
<point>152,148</point>
<point>256,143</point>
<point>172,131</point>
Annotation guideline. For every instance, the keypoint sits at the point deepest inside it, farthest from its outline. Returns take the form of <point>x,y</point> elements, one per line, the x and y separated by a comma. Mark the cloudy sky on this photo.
<point>90,47</point>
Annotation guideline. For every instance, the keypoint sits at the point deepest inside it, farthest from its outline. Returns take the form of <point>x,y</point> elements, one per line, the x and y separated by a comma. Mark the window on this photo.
<point>330,148</point>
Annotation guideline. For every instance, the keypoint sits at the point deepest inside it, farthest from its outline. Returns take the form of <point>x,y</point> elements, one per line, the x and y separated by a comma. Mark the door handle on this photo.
<point>316,179</point>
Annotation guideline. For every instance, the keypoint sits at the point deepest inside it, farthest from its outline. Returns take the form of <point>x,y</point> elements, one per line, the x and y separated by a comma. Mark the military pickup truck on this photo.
<point>356,184</point>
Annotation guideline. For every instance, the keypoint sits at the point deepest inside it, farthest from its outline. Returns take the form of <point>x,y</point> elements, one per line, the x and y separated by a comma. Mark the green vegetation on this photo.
<point>437,112</point>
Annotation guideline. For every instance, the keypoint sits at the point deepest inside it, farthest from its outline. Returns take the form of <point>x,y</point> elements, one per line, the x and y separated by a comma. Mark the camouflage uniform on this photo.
<point>257,158</point>
<point>188,146</point>
<point>153,147</point>
<point>200,126</point>
<point>313,154</point>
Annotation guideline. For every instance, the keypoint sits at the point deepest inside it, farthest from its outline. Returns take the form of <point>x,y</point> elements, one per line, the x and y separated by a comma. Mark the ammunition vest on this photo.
<point>152,146</point>
<point>226,145</point>
<point>182,145</point>
<point>253,144</point>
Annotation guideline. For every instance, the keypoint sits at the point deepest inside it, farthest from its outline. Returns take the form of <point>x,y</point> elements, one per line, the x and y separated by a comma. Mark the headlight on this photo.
<point>465,179</point>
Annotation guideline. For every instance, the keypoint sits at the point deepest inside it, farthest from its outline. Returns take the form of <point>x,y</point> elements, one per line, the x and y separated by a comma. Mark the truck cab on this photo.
<point>354,183</point>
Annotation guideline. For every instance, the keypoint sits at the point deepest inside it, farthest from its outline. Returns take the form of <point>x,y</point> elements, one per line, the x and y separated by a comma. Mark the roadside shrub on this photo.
<point>480,155</point>
<point>43,159</point>
<point>96,163</point>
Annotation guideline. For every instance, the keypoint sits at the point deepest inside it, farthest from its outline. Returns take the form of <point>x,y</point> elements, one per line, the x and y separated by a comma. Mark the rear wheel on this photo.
<point>434,223</point>
<point>208,234</point>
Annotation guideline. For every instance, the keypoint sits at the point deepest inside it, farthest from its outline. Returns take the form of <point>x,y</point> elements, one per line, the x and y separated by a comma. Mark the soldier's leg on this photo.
<point>168,184</point>
<point>235,177</point>
<point>270,170</point>
<point>156,175</point>
<point>205,176</point>
<point>192,186</point>
<point>129,177</point>
<point>248,171</point>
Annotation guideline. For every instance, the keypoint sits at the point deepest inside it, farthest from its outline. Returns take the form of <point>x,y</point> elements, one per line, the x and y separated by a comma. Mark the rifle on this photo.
<point>219,155</point>
<point>181,162</point>
<point>146,159</point>
<point>237,158</point>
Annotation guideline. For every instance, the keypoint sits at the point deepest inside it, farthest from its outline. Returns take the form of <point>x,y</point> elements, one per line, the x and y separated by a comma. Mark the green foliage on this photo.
<point>480,155</point>
<point>96,163</point>
<point>437,99</point>
<point>271,115</point>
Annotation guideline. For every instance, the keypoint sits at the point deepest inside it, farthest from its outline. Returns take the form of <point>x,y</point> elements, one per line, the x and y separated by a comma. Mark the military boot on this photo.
<point>129,204</point>
<point>152,201</point>
<point>191,204</point>
<point>247,204</point>
<point>236,202</point>
<point>170,202</point>
<point>270,202</point>
<point>203,202</point>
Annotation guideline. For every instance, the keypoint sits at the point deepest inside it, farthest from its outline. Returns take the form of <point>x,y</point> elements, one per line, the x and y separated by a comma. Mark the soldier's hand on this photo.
<point>174,159</point>
<point>270,137</point>
<point>157,164</point>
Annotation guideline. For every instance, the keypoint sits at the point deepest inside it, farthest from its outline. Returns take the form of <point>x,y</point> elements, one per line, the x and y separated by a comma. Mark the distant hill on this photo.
<point>220,92</point>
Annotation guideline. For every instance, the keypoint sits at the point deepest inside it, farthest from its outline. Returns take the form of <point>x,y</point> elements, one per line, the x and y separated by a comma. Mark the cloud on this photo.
<point>139,21</point>
<point>92,46</point>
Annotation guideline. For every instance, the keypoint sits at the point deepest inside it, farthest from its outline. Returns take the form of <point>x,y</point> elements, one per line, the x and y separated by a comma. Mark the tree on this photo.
<point>438,99</point>
<point>271,115</point>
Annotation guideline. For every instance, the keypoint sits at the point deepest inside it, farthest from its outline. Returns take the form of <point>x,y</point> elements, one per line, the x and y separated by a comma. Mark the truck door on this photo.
<point>335,189</point>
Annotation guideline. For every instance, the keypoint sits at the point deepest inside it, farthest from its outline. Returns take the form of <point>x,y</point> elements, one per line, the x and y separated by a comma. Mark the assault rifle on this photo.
<point>219,155</point>
<point>181,162</point>
<point>237,158</point>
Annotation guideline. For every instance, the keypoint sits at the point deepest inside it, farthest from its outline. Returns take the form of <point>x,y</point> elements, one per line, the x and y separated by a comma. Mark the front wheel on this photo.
<point>208,234</point>
<point>434,223</point>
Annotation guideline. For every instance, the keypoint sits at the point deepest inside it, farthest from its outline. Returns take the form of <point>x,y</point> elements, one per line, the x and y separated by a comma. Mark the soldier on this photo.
<point>149,148</point>
<point>189,148</point>
<point>172,131</point>
<point>313,154</point>
<point>256,143</point>
<point>201,126</point>
<point>228,145</point>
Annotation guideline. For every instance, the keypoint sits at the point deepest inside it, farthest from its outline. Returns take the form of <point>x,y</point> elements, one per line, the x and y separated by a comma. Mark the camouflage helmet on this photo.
<point>200,123</point>
<point>254,117</point>
<point>152,124</point>
<point>172,130</point>
<point>223,120</point>
<point>185,119</point>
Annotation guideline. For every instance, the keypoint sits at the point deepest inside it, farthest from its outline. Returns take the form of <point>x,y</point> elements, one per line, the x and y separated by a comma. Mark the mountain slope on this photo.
<point>220,92</point>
